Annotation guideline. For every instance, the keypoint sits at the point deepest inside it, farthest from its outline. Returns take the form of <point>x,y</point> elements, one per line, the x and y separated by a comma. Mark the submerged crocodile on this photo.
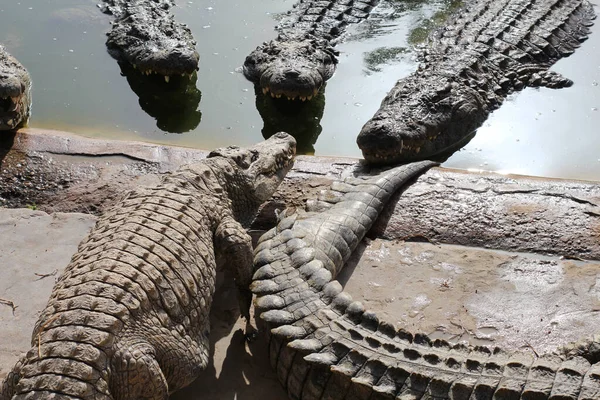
<point>146,35</point>
<point>323,345</point>
<point>128,319</point>
<point>487,51</point>
<point>15,92</point>
<point>297,63</point>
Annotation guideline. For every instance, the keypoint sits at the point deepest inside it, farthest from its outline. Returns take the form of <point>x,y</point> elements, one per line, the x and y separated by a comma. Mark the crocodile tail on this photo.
<point>324,345</point>
<point>353,355</point>
<point>352,207</point>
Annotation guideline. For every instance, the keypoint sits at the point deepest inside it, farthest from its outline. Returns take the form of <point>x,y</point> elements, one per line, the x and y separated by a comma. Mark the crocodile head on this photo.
<point>148,38</point>
<point>291,66</point>
<point>259,169</point>
<point>15,96</point>
<point>417,122</point>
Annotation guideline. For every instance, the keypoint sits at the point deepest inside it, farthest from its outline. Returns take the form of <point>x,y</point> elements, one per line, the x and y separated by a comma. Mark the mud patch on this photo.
<point>486,297</point>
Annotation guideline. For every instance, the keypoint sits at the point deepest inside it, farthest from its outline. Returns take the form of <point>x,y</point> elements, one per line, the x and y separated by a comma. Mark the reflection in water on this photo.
<point>173,104</point>
<point>383,55</point>
<point>417,36</point>
<point>300,119</point>
<point>420,34</point>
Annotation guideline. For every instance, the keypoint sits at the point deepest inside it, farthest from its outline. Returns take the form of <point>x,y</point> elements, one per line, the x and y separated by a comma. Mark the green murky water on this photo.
<point>79,87</point>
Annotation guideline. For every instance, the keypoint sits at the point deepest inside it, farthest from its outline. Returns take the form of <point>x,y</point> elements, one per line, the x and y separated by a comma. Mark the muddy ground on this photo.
<point>494,260</point>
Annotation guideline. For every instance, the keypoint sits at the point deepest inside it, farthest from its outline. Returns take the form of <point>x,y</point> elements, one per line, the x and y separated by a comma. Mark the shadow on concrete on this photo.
<point>237,369</point>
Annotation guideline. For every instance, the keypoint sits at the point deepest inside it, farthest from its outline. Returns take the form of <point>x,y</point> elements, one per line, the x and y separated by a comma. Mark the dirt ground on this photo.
<point>493,260</point>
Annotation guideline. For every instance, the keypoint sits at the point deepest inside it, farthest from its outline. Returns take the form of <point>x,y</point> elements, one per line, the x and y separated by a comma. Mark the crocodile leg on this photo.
<point>235,250</point>
<point>136,373</point>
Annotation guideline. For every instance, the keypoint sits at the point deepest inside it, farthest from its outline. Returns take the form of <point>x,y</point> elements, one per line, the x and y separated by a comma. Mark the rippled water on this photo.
<point>79,87</point>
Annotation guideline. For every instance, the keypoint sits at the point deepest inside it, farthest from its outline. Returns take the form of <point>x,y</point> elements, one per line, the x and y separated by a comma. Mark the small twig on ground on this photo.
<point>527,344</point>
<point>42,276</point>
<point>10,304</point>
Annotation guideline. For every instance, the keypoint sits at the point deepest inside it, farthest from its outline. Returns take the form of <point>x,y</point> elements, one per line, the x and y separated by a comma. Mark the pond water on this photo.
<point>78,87</point>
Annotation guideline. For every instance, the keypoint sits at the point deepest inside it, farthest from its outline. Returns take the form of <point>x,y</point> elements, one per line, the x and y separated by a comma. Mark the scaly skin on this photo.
<point>145,35</point>
<point>297,63</point>
<point>15,92</point>
<point>323,345</point>
<point>486,52</point>
<point>128,318</point>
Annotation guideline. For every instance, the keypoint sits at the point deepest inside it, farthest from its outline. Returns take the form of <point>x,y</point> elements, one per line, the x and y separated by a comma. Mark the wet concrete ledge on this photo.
<point>57,171</point>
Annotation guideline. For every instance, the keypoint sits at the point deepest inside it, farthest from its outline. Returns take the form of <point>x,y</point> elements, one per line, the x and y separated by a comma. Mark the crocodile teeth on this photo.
<point>418,149</point>
<point>272,94</point>
<point>302,98</point>
<point>134,66</point>
<point>265,90</point>
<point>167,78</point>
<point>315,91</point>
<point>9,122</point>
<point>309,97</point>
<point>278,95</point>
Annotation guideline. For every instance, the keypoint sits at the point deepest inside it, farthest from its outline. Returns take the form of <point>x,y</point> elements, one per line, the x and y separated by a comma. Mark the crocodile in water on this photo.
<point>146,35</point>
<point>128,319</point>
<point>302,58</point>
<point>487,51</point>
<point>15,92</point>
<point>323,345</point>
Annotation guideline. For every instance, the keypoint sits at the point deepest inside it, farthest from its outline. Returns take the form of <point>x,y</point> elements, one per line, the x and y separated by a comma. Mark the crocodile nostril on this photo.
<point>292,74</point>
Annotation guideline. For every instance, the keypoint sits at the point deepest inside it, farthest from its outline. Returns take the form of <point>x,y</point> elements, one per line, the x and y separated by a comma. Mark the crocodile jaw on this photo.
<point>262,166</point>
<point>15,93</point>
<point>420,120</point>
<point>291,66</point>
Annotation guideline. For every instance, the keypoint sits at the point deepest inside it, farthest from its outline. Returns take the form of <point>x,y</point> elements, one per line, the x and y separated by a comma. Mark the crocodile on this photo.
<point>486,51</point>
<point>128,318</point>
<point>324,345</point>
<point>145,34</point>
<point>297,63</point>
<point>15,92</point>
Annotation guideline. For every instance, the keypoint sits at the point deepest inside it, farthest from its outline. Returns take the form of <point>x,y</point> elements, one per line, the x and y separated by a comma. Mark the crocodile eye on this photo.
<point>254,156</point>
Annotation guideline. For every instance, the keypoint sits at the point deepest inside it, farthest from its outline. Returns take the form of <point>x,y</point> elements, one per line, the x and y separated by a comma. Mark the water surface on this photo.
<point>79,87</point>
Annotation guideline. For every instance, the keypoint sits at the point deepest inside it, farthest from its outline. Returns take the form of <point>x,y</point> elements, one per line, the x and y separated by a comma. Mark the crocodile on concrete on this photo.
<point>146,35</point>
<point>15,92</point>
<point>324,345</point>
<point>128,319</point>
<point>487,51</point>
<point>297,63</point>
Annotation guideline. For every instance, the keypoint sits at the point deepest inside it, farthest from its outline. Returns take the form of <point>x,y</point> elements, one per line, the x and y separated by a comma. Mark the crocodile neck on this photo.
<point>323,345</point>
